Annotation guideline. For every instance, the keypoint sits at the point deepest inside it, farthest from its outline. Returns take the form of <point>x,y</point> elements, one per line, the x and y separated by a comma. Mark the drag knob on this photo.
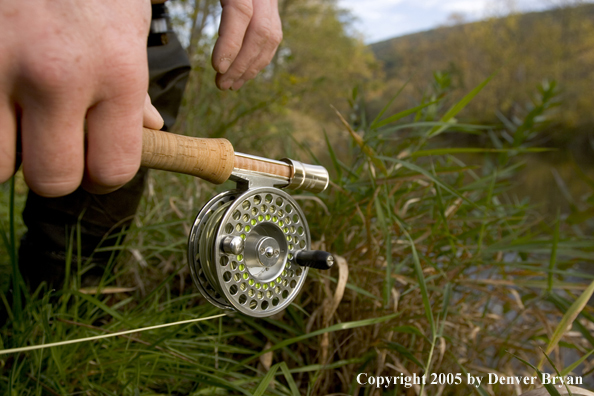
<point>315,259</point>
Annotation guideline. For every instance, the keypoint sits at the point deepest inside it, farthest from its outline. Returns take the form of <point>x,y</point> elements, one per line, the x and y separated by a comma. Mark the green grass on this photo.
<point>447,272</point>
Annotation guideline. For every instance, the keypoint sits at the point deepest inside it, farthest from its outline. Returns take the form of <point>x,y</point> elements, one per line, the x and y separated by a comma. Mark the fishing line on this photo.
<point>99,337</point>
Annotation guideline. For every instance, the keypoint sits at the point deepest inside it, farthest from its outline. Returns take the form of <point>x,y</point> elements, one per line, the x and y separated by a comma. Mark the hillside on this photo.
<point>524,50</point>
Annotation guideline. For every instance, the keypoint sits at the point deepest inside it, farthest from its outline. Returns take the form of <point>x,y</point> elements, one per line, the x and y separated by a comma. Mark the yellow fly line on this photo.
<point>98,337</point>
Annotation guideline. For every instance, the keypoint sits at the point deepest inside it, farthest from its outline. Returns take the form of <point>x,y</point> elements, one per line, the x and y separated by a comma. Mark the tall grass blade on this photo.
<point>568,319</point>
<point>102,336</point>
<point>335,162</point>
<point>268,378</point>
<point>402,350</point>
<point>387,288</point>
<point>422,285</point>
<point>557,371</point>
<point>333,328</point>
<point>575,364</point>
<point>553,261</point>
<point>458,107</point>
<point>473,150</point>
<point>430,176</point>
<point>16,274</point>
<point>549,387</point>
<point>366,149</point>
<point>408,330</point>
<point>387,106</point>
<point>354,288</point>
<point>402,114</point>
<point>289,378</point>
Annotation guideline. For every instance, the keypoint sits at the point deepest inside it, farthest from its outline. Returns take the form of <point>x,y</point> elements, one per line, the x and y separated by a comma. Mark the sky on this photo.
<point>382,19</point>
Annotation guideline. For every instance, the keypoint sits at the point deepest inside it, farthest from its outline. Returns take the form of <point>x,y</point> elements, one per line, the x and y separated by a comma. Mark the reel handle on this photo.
<point>317,259</point>
<point>214,160</point>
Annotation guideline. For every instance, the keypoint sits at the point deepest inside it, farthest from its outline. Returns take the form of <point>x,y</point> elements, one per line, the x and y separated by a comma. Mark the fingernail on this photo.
<point>237,84</point>
<point>224,66</point>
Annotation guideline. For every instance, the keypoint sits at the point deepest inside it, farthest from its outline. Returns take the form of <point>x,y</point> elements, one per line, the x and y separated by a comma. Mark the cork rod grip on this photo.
<point>209,159</point>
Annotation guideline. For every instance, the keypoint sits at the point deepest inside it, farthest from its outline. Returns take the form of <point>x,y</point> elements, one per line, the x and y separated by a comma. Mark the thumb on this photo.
<point>151,117</point>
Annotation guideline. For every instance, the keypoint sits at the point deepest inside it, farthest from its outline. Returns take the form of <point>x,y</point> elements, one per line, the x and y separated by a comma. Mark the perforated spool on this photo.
<point>232,281</point>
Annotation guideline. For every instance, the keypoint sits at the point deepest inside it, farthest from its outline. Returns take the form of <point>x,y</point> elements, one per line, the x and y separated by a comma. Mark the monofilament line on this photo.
<point>99,337</point>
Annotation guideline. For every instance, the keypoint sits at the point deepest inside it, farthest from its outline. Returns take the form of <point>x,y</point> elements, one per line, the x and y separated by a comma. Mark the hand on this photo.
<point>62,61</point>
<point>249,35</point>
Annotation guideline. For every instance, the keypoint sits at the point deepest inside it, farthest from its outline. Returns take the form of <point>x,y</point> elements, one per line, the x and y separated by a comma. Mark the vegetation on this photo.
<point>524,48</point>
<point>441,267</point>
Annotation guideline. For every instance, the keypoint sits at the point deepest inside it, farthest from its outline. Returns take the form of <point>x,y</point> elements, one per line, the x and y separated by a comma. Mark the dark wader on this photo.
<point>49,221</point>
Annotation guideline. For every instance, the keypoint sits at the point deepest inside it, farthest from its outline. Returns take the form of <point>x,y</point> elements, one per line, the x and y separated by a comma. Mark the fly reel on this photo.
<point>249,249</point>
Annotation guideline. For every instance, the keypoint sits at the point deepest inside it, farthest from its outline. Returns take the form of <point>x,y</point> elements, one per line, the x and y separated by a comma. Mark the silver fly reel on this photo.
<point>250,249</point>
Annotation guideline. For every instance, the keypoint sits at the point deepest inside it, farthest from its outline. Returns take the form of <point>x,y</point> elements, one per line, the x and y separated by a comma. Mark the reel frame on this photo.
<point>244,244</point>
<point>250,282</point>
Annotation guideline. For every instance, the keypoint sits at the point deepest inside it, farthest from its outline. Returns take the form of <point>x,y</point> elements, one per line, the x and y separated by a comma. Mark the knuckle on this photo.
<point>243,7</point>
<point>238,70</point>
<point>253,71</point>
<point>52,177</point>
<point>239,66</point>
<point>113,174</point>
<point>55,74</point>
<point>53,187</point>
<point>232,47</point>
<point>277,36</point>
<point>264,32</point>
<point>128,73</point>
<point>250,74</point>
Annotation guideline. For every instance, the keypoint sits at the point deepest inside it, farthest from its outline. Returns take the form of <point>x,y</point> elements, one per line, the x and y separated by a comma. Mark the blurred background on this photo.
<point>442,48</point>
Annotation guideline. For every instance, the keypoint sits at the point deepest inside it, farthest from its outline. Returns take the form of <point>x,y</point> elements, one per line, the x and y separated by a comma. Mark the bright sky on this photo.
<point>383,19</point>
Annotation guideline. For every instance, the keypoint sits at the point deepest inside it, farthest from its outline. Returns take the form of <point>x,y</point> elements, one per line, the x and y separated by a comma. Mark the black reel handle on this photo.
<point>317,259</point>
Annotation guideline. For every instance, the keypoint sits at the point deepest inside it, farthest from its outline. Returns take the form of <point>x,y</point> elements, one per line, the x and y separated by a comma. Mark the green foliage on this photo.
<point>433,224</point>
<point>448,270</point>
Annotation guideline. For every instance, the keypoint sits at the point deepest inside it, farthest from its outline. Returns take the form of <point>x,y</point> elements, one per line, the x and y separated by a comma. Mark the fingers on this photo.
<point>235,20</point>
<point>7,139</point>
<point>262,60</point>
<point>268,50</point>
<point>58,63</point>
<point>114,142</point>
<point>260,41</point>
<point>53,146</point>
<point>151,117</point>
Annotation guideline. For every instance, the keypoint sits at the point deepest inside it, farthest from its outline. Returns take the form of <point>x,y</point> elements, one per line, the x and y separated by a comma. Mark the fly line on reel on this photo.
<point>244,248</point>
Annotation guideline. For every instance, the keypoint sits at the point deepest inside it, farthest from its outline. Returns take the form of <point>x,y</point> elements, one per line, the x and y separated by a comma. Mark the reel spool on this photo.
<point>249,249</point>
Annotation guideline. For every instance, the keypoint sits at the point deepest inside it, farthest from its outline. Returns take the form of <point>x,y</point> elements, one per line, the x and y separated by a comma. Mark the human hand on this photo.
<point>249,35</point>
<point>62,61</point>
